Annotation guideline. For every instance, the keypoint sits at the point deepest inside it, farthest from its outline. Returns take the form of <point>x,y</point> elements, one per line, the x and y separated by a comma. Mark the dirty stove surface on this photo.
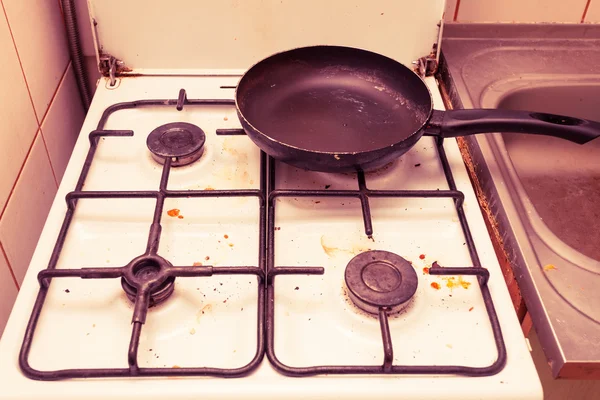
<point>219,321</point>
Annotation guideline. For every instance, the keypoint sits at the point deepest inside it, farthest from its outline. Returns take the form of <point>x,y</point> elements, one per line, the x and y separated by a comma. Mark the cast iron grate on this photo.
<point>160,269</point>
<point>363,193</point>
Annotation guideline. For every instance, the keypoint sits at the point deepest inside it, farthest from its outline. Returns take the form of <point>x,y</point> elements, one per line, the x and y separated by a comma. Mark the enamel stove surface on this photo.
<point>211,321</point>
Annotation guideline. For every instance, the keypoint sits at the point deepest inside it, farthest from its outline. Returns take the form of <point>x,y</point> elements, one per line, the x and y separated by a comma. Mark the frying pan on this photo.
<point>338,109</point>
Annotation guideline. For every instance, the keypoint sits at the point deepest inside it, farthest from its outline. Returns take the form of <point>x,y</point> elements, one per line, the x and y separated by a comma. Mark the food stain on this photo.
<point>175,366</point>
<point>435,285</point>
<point>173,212</point>
<point>426,270</point>
<point>192,331</point>
<point>225,118</point>
<point>549,267</point>
<point>197,264</point>
<point>471,309</point>
<point>207,258</point>
<point>202,311</point>
<point>209,188</point>
<point>230,244</point>
<point>180,216</point>
<point>226,236</point>
<point>332,250</point>
<point>422,256</point>
<point>452,283</point>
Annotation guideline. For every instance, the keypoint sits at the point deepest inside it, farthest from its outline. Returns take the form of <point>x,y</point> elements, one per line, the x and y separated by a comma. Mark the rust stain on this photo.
<point>550,267</point>
<point>173,212</point>
<point>202,311</point>
<point>452,282</point>
<point>435,285</point>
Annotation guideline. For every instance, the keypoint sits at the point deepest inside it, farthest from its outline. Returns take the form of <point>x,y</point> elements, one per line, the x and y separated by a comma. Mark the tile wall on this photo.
<point>563,11</point>
<point>40,117</point>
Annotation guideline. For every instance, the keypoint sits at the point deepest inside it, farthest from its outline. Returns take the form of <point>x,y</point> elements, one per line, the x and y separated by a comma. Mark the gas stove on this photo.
<point>203,257</point>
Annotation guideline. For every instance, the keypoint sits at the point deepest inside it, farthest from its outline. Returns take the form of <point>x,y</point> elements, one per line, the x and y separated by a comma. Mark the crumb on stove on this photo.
<point>230,244</point>
<point>296,288</point>
<point>435,285</point>
<point>225,301</point>
<point>225,118</point>
<point>226,236</point>
<point>327,186</point>
<point>67,291</point>
<point>549,267</point>
<point>174,212</point>
<point>207,258</point>
<point>277,228</point>
<point>471,309</point>
<point>418,165</point>
<point>93,325</point>
<point>175,366</point>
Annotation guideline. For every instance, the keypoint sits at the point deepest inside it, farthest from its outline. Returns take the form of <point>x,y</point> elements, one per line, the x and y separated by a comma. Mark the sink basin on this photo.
<point>562,179</point>
<point>557,183</point>
<point>541,194</point>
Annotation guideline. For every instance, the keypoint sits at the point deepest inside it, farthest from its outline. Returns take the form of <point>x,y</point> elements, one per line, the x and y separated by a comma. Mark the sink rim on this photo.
<point>491,97</point>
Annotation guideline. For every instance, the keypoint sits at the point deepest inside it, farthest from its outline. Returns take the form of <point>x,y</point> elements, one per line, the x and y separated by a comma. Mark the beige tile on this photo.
<point>593,13</point>
<point>450,9</point>
<point>17,120</point>
<point>62,123</point>
<point>27,209</point>
<point>39,33</point>
<point>521,10</point>
<point>8,292</point>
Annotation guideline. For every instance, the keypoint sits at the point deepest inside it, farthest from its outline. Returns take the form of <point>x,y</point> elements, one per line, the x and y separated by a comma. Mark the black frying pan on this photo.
<point>330,108</point>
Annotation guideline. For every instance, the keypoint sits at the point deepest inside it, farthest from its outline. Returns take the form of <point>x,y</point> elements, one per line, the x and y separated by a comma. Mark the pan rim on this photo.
<point>332,153</point>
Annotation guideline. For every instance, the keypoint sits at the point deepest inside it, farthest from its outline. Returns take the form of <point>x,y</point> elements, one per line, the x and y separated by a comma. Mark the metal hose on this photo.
<point>70,17</point>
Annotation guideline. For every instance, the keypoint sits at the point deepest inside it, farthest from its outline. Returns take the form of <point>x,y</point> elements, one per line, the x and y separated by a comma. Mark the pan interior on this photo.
<point>335,105</point>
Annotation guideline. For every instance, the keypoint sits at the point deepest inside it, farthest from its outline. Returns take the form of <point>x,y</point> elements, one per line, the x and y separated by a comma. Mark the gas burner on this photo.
<point>145,269</point>
<point>380,279</point>
<point>180,141</point>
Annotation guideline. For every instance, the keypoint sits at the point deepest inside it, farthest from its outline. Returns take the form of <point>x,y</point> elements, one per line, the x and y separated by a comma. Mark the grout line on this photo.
<point>20,63</point>
<point>64,74</point>
<point>9,267</point>
<point>585,10</point>
<point>49,159</point>
<point>12,189</point>
<point>456,10</point>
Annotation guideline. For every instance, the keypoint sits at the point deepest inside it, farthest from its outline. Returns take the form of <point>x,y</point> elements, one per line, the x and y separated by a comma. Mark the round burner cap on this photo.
<point>180,141</point>
<point>378,279</point>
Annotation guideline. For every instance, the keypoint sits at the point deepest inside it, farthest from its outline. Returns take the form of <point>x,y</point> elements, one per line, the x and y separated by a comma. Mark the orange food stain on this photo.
<point>207,258</point>
<point>452,283</point>
<point>550,267</point>
<point>422,256</point>
<point>175,366</point>
<point>173,213</point>
<point>197,264</point>
<point>225,118</point>
<point>209,188</point>
<point>435,285</point>
<point>226,236</point>
<point>471,309</point>
<point>426,270</point>
<point>180,216</point>
<point>230,244</point>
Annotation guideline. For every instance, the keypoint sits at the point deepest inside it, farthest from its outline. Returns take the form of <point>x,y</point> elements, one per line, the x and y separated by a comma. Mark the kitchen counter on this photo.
<point>540,194</point>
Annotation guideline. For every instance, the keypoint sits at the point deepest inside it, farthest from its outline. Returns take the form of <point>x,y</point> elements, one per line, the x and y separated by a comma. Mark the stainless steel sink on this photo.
<point>543,192</point>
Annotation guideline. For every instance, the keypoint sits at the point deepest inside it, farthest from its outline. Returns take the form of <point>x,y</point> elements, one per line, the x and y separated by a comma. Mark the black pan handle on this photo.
<point>455,123</point>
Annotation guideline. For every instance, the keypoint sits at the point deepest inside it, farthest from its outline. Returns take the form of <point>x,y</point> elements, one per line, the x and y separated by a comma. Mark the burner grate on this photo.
<point>363,193</point>
<point>149,273</point>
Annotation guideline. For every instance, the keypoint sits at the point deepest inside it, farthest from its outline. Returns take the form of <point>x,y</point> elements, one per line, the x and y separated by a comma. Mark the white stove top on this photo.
<point>212,321</point>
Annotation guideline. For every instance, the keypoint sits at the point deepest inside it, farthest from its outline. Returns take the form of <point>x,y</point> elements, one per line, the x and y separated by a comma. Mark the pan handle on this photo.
<point>455,123</point>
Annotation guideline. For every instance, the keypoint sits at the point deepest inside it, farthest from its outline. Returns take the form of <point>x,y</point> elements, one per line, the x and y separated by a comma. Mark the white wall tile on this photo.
<point>8,292</point>
<point>521,10</point>
<point>39,34</point>
<point>17,120</point>
<point>27,209</point>
<point>593,13</point>
<point>450,9</point>
<point>63,123</point>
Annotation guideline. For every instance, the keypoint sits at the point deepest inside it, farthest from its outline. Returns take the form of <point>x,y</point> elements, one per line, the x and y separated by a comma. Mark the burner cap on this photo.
<point>182,142</point>
<point>147,268</point>
<point>378,279</point>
